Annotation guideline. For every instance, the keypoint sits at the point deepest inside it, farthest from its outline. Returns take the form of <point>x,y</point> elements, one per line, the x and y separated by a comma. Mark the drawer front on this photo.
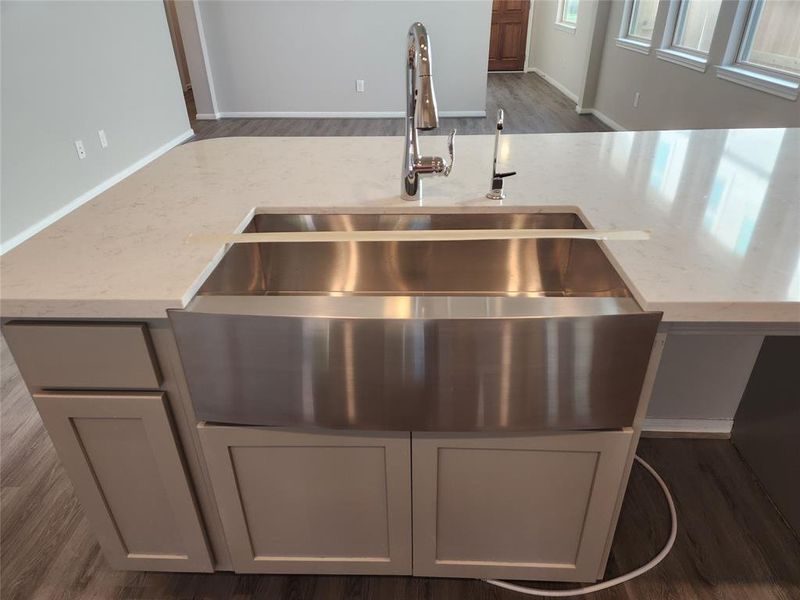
<point>83,355</point>
<point>536,507</point>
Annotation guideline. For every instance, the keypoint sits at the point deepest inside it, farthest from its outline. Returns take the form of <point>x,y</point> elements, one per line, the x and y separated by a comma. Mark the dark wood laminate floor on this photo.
<point>732,544</point>
<point>531,106</point>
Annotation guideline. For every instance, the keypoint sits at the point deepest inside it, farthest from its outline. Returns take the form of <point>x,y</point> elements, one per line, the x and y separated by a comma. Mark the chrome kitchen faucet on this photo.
<point>421,113</point>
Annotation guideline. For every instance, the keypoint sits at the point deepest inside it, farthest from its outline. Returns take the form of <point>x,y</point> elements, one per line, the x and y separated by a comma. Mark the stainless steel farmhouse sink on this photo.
<point>482,335</point>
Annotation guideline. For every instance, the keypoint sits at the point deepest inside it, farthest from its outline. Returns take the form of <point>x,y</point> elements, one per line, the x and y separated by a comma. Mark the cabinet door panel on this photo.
<point>303,502</point>
<point>120,453</point>
<point>519,507</point>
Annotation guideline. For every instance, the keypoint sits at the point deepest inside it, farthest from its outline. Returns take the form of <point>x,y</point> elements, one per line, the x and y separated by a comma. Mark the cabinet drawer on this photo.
<point>515,506</point>
<point>83,355</point>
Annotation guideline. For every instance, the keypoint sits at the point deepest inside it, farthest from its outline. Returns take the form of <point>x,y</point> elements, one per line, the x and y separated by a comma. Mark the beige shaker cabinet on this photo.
<point>120,452</point>
<point>323,502</point>
<point>527,506</point>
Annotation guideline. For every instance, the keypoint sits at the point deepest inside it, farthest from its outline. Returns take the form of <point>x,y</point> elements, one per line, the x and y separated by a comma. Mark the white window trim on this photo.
<point>685,59</point>
<point>772,82</point>
<point>625,39</point>
<point>679,56</point>
<point>633,44</point>
<point>560,22</point>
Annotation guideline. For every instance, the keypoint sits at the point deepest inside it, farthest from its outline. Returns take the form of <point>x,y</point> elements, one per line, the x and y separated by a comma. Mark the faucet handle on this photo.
<point>451,152</point>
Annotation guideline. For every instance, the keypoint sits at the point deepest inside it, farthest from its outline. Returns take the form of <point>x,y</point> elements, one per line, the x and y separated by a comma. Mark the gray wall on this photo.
<point>557,54</point>
<point>69,69</point>
<point>675,97</point>
<point>288,56</point>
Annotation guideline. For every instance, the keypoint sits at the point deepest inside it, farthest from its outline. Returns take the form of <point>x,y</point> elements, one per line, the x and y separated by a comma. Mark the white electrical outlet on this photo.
<point>359,85</point>
<point>80,149</point>
<point>636,100</point>
<point>101,133</point>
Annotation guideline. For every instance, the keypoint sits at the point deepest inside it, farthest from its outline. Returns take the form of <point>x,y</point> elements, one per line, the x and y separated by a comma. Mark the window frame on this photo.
<point>560,23</point>
<point>772,81</point>
<point>625,39</point>
<point>687,57</point>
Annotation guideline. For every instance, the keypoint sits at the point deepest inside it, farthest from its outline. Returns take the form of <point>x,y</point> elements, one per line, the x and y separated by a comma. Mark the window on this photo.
<point>638,21</point>
<point>567,15</point>
<point>690,28</point>
<point>642,20</point>
<point>771,40</point>
<point>695,26</point>
<point>764,48</point>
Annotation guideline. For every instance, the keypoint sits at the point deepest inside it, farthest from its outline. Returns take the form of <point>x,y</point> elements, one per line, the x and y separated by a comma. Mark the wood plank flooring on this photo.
<point>732,544</point>
<point>531,106</point>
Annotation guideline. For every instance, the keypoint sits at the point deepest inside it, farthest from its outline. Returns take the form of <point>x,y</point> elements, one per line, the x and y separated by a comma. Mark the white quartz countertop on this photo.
<point>723,206</point>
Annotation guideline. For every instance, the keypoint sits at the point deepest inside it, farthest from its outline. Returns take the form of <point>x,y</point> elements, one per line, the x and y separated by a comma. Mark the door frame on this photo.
<point>526,66</point>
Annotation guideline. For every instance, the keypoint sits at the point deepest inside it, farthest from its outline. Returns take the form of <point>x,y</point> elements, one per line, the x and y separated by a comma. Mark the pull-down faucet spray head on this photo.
<point>420,62</point>
<point>427,116</point>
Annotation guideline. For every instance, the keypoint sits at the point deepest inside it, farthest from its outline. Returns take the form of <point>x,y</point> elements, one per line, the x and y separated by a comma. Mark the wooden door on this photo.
<point>120,453</point>
<point>509,35</point>
<point>527,506</point>
<point>312,502</point>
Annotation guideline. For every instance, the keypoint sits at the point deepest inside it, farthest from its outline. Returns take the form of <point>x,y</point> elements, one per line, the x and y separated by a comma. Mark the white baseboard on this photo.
<point>86,196</point>
<point>556,84</point>
<point>688,427</point>
<point>388,114</point>
<point>579,109</point>
<point>207,116</point>
<point>603,117</point>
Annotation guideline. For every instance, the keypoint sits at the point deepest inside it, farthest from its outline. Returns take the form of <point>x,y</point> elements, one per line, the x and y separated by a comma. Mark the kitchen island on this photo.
<point>84,308</point>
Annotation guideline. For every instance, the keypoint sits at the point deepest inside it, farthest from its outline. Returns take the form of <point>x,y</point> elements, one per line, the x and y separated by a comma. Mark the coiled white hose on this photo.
<point>604,585</point>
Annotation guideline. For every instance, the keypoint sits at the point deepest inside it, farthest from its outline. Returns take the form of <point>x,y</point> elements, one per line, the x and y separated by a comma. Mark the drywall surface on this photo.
<point>305,57</point>
<point>676,97</point>
<point>71,68</point>
<point>558,54</point>
<point>703,376</point>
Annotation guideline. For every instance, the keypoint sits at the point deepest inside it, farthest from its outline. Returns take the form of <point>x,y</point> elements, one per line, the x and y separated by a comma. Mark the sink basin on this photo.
<point>486,335</point>
<point>528,267</point>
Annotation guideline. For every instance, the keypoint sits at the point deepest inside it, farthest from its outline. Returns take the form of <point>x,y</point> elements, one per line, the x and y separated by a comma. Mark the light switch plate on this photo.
<point>80,149</point>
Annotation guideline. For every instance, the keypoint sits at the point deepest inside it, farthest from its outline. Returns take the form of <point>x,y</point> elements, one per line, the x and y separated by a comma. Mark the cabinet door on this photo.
<point>120,453</point>
<point>307,502</point>
<point>516,506</point>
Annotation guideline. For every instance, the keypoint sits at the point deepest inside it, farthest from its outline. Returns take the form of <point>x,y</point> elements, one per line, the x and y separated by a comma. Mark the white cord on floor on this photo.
<point>603,585</point>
